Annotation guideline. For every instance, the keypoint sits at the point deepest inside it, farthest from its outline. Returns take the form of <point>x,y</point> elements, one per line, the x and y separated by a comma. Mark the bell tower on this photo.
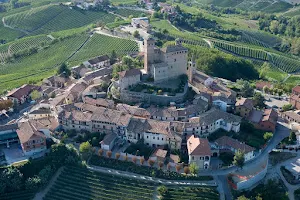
<point>149,45</point>
<point>191,68</point>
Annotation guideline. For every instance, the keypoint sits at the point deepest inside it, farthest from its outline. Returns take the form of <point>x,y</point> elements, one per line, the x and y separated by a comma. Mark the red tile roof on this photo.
<point>22,91</point>
<point>198,146</point>
<point>296,89</point>
<point>27,131</point>
<point>235,144</point>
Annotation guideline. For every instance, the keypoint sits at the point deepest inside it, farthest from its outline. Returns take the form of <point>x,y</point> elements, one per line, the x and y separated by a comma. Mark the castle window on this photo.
<point>174,60</point>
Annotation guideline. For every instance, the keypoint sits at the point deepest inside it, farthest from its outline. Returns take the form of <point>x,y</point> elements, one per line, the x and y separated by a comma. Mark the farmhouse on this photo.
<point>98,62</point>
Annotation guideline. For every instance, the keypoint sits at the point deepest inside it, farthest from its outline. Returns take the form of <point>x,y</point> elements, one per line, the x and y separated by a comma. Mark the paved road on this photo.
<point>225,191</point>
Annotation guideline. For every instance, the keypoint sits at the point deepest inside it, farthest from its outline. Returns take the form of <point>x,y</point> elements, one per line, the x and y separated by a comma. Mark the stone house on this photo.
<point>243,107</point>
<point>98,62</point>
<point>129,78</point>
<point>21,94</point>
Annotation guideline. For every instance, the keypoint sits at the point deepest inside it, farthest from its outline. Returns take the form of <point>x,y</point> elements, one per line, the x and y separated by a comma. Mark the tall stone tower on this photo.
<point>149,45</point>
<point>191,68</point>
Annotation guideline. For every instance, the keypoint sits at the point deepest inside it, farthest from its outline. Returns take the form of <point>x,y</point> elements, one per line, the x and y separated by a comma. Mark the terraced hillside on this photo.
<point>51,18</point>
<point>77,183</point>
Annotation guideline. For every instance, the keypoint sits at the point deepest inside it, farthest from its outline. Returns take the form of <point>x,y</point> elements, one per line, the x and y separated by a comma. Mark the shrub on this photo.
<point>117,156</point>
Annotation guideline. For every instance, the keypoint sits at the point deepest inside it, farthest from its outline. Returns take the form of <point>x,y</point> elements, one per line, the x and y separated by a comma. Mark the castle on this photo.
<point>165,63</point>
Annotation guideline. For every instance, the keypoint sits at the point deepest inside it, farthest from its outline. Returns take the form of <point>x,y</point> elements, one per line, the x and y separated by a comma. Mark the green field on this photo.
<point>80,183</point>
<point>35,67</point>
<point>52,18</point>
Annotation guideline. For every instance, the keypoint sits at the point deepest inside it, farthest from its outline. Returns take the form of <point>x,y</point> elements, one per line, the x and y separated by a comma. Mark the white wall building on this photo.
<point>129,78</point>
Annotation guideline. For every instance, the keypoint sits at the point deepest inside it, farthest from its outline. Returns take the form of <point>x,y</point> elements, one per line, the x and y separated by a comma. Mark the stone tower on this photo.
<point>149,45</point>
<point>191,68</point>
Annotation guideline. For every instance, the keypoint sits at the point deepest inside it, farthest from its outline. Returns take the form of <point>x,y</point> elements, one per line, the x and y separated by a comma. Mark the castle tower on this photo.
<point>191,68</point>
<point>178,41</point>
<point>149,45</point>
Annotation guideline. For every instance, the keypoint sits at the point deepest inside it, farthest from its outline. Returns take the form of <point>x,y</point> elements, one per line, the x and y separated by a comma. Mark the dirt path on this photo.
<point>40,195</point>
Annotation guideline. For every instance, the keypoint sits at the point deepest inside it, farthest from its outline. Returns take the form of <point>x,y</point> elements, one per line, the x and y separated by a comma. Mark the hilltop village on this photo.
<point>150,113</point>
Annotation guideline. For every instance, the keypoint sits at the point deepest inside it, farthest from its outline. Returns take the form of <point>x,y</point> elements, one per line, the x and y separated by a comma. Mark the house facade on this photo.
<point>295,97</point>
<point>129,78</point>
<point>199,152</point>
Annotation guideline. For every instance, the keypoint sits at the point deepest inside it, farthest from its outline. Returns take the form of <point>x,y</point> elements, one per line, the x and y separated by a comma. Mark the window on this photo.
<point>162,138</point>
<point>147,136</point>
<point>153,138</point>
<point>157,138</point>
<point>192,157</point>
<point>174,60</point>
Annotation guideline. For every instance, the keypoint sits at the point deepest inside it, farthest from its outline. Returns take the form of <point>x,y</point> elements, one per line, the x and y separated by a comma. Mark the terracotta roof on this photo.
<point>137,125</point>
<point>270,115</point>
<point>160,153</point>
<point>174,158</point>
<point>24,90</point>
<point>161,127</point>
<point>98,59</point>
<point>256,116</point>
<point>99,102</point>
<point>97,73</point>
<point>261,84</point>
<point>296,89</point>
<point>128,73</point>
<point>27,131</point>
<point>198,146</point>
<point>41,111</point>
<point>133,110</point>
<point>50,123</point>
<point>247,103</point>
<point>112,116</point>
<point>226,141</point>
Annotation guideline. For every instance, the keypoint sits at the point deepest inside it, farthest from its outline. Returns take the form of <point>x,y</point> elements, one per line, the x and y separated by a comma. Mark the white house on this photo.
<point>228,143</point>
<point>98,62</point>
<point>108,141</point>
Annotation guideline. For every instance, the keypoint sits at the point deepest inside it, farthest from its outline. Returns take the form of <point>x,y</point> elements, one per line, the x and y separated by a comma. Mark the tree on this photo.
<point>292,137</point>
<point>160,165</point>
<point>151,162</point>
<point>35,95</point>
<point>12,179</point>
<point>117,156</point>
<point>280,92</point>
<point>239,159</point>
<point>100,152</point>
<point>85,149</point>
<point>186,170</point>
<point>136,34</point>
<point>45,174</point>
<point>63,69</point>
<point>266,89</point>
<point>162,190</point>
<point>33,183</point>
<point>113,57</point>
<point>168,166</point>
<point>5,104</point>
<point>259,100</point>
<point>194,168</point>
<point>109,154</point>
<point>133,159</point>
<point>125,158</point>
<point>268,136</point>
<point>287,107</point>
<point>242,198</point>
<point>142,160</point>
<point>246,89</point>
<point>178,168</point>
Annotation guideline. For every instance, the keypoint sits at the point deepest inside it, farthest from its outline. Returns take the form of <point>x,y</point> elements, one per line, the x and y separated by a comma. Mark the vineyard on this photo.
<point>77,184</point>
<point>35,67</point>
<point>102,44</point>
<point>22,195</point>
<point>47,19</point>
<point>21,45</point>
<point>191,193</point>
<point>126,12</point>
<point>260,39</point>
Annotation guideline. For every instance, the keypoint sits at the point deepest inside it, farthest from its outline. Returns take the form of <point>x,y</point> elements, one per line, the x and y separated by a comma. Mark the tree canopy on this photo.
<point>239,159</point>
<point>63,69</point>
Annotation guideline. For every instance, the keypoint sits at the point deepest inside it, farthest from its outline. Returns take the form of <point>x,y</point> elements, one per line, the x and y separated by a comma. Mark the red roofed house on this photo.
<point>32,140</point>
<point>264,120</point>
<point>21,94</point>
<point>199,152</point>
<point>295,97</point>
<point>260,85</point>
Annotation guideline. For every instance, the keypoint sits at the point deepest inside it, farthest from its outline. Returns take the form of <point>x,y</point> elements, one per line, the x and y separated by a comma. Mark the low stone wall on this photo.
<point>137,97</point>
